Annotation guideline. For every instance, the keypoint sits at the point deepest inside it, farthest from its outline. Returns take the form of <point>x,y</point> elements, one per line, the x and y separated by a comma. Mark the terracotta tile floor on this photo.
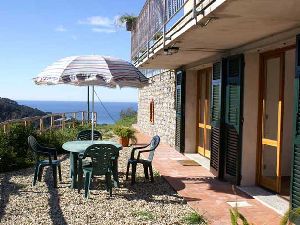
<point>203,192</point>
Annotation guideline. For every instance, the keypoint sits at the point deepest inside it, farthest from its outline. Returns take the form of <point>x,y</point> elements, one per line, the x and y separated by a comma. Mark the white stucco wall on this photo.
<point>249,146</point>
<point>287,135</point>
<point>190,111</point>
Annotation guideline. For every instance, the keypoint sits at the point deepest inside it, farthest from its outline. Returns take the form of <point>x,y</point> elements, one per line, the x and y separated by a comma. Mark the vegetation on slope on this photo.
<point>15,153</point>
<point>10,109</point>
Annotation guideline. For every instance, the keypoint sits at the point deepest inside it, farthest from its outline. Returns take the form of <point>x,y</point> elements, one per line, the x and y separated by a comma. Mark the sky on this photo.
<point>36,33</point>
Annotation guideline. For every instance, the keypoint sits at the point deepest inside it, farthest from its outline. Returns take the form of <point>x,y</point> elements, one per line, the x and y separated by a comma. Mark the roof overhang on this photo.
<point>232,24</point>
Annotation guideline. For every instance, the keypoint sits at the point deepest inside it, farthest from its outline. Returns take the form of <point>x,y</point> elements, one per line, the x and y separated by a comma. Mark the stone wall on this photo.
<point>162,91</point>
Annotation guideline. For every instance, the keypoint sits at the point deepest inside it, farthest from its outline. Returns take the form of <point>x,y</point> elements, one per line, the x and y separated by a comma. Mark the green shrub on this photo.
<point>194,218</point>
<point>125,132</point>
<point>16,154</point>
<point>14,150</point>
<point>235,216</point>
<point>292,216</point>
<point>143,215</point>
<point>127,118</point>
<point>56,138</point>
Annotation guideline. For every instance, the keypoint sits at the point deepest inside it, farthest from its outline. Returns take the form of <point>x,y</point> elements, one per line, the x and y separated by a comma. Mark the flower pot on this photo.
<point>124,141</point>
<point>129,25</point>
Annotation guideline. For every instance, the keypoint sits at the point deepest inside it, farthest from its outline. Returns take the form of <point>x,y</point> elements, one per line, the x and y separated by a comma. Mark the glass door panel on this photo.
<point>204,83</point>
<point>271,123</point>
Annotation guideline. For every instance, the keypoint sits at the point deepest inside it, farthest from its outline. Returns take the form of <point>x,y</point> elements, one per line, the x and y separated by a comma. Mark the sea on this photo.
<point>107,112</point>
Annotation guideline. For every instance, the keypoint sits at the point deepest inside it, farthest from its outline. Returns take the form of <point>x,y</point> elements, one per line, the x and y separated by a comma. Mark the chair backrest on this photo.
<point>86,135</point>
<point>101,155</point>
<point>153,145</point>
<point>34,145</point>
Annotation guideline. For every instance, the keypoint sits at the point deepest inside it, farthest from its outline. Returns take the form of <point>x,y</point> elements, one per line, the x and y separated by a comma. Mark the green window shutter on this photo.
<point>216,158</point>
<point>233,118</point>
<point>180,111</point>
<point>295,178</point>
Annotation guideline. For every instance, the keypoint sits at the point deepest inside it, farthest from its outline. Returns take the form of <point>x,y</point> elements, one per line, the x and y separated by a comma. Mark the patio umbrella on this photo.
<point>91,70</point>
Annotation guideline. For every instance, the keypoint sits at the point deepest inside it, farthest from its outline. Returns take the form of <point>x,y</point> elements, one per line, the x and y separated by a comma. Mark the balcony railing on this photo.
<point>156,19</point>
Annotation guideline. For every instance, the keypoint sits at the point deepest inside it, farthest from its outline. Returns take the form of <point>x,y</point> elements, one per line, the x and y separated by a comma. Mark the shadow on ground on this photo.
<point>9,188</point>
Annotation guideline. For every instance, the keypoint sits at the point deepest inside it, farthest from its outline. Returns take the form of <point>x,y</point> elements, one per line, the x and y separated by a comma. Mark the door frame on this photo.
<point>262,58</point>
<point>208,71</point>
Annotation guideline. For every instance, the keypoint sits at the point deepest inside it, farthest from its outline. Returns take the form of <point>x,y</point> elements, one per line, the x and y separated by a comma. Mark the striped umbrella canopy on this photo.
<point>92,70</point>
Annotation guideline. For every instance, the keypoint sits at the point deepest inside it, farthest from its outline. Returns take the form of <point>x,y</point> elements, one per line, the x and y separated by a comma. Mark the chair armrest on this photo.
<point>139,153</point>
<point>141,147</point>
<point>46,154</point>
<point>52,151</point>
<point>81,155</point>
<point>137,148</point>
<point>49,150</point>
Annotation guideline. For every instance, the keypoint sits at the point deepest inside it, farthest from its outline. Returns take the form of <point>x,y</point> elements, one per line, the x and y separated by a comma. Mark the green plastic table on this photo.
<point>76,147</point>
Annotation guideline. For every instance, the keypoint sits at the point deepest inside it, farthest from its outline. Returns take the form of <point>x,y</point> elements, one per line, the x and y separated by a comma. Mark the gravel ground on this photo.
<point>142,203</point>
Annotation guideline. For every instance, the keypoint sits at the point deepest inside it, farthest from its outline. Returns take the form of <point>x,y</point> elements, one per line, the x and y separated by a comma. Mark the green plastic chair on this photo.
<point>84,135</point>
<point>102,156</point>
<point>41,163</point>
<point>147,163</point>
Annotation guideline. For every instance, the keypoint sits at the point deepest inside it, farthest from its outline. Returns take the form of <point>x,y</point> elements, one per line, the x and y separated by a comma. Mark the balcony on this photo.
<point>158,21</point>
<point>173,33</point>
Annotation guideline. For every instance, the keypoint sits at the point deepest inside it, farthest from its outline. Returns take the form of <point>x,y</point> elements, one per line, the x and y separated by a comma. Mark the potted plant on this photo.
<point>157,36</point>
<point>128,20</point>
<point>125,134</point>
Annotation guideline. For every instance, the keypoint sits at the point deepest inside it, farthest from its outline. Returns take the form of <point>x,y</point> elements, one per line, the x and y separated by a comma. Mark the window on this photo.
<point>152,111</point>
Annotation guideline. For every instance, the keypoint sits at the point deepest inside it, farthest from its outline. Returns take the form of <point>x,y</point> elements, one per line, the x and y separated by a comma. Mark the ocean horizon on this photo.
<point>113,108</point>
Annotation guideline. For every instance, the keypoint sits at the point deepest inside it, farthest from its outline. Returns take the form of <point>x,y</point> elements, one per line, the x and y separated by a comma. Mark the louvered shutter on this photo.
<point>180,108</point>
<point>216,159</point>
<point>295,178</point>
<point>233,118</point>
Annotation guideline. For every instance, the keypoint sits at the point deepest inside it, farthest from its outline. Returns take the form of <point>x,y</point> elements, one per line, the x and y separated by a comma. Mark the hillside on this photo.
<point>10,109</point>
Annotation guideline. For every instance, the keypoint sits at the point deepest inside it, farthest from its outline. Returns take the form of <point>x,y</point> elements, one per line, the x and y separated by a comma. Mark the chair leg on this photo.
<point>106,182</point>
<point>59,173</point>
<point>133,173</point>
<point>40,173</point>
<point>87,182</point>
<point>109,185</point>
<point>115,173</point>
<point>127,171</point>
<point>146,171</point>
<point>54,170</point>
<point>80,175</point>
<point>36,171</point>
<point>151,172</point>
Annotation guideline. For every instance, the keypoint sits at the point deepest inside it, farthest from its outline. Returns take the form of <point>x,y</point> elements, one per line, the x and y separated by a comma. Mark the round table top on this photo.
<point>81,146</point>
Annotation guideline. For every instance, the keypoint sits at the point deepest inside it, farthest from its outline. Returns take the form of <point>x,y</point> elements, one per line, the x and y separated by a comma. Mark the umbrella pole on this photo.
<point>93,108</point>
<point>88,104</point>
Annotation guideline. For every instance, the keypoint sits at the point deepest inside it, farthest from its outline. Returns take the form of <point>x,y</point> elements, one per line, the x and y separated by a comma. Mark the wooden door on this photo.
<point>203,112</point>
<point>271,114</point>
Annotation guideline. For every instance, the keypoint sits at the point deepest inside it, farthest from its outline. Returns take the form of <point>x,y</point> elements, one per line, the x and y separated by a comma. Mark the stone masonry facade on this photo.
<point>162,92</point>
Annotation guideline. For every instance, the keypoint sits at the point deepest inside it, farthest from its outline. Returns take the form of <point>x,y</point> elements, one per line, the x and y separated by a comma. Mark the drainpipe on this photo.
<point>88,103</point>
<point>164,24</point>
<point>194,10</point>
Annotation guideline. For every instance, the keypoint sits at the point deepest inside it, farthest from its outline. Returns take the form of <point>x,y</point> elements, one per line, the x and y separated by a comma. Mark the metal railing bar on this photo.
<point>151,46</point>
